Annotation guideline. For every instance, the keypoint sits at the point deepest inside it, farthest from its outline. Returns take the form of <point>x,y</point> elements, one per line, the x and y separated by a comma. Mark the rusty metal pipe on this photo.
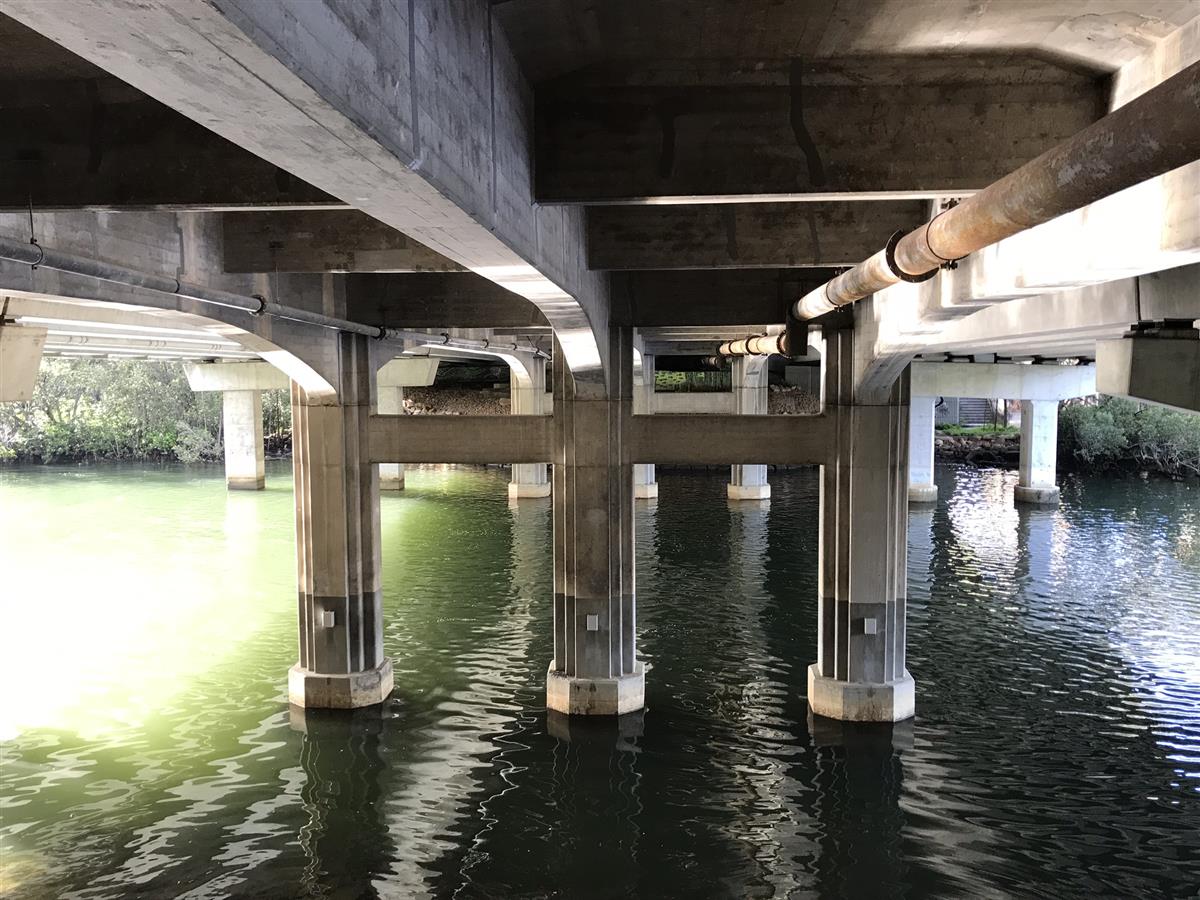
<point>1155,133</point>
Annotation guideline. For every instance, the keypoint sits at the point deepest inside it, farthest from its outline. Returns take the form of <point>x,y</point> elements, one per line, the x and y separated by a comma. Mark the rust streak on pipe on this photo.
<point>1155,133</point>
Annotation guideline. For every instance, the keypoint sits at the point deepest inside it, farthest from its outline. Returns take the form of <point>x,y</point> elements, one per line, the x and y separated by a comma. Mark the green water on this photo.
<point>148,749</point>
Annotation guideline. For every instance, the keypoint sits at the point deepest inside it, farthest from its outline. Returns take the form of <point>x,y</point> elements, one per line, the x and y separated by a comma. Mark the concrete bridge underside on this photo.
<point>581,191</point>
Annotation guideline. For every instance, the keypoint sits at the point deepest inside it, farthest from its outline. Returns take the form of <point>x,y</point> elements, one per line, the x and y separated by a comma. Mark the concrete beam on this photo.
<point>696,130</point>
<point>404,372</point>
<point>417,115</point>
<point>736,235</point>
<point>1002,381</point>
<point>713,298</point>
<point>100,144</point>
<point>461,439</point>
<point>240,376</point>
<point>730,439</point>
<point>20,359</point>
<point>1164,370</point>
<point>438,300</point>
<point>323,241</point>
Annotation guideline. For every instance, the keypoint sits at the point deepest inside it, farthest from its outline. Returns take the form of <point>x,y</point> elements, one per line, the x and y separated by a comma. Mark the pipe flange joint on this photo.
<point>262,305</point>
<point>890,254</point>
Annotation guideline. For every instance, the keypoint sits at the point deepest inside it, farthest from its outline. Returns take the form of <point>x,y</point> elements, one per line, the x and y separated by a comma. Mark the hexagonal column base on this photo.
<point>520,491</point>
<point>748,491</point>
<point>596,696</point>
<point>855,701</point>
<point>922,493</point>
<point>316,690</point>
<point>242,483</point>
<point>1036,496</point>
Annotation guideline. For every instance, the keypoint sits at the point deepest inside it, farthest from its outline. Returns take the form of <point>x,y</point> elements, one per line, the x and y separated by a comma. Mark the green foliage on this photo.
<point>120,409</point>
<point>980,430</point>
<point>693,382</point>
<point>1112,432</point>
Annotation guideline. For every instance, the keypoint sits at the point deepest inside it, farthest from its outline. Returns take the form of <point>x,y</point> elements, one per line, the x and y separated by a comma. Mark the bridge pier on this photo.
<point>595,670</point>
<point>749,482</point>
<point>527,391</point>
<point>1038,464</point>
<point>860,672</point>
<point>341,663</point>
<point>645,484</point>
<point>391,380</point>
<point>390,402</point>
<point>241,385</point>
<point>241,414</point>
<point>921,488</point>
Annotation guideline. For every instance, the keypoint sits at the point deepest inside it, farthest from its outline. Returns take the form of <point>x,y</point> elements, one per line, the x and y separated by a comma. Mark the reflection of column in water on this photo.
<point>595,797</point>
<point>345,839</point>
<point>530,551</point>
<point>858,785</point>
<point>920,542</point>
<point>1035,548</point>
<point>766,775</point>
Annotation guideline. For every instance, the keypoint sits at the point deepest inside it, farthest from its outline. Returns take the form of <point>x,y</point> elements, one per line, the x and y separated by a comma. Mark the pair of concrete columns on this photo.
<point>1040,388</point>
<point>1037,469</point>
<point>746,482</point>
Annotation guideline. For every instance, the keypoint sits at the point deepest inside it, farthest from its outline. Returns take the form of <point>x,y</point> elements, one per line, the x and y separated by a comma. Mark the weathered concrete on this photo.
<point>749,482</point>
<point>744,440</point>
<point>241,385</point>
<point>1039,453</point>
<point>645,483</point>
<point>241,415</point>
<point>860,674</point>
<point>595,670</point>
<point>20,359</point>
<point>391,380</point>
<point>697,130</point>
<point>921,488</point>
<point>1002,381</point>
<point>461,439</point>
<point>737,235</point>
<point>1161,366</point>
<point>527,393</point>
<point>343,240</point>
<point>337,542</point>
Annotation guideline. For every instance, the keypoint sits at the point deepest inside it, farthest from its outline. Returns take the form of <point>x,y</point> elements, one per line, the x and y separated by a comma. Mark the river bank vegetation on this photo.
<point>121,409</point>
<point>138,409</point>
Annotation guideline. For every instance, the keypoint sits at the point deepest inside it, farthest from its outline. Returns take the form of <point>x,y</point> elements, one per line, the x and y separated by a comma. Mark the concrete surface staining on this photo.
<point>340,197</point>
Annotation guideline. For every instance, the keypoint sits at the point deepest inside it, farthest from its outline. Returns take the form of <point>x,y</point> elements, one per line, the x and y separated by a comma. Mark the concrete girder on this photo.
<point>438,299</point>
<point>744,235</point>
<point>728,297</point>
<point>795,130</point>
<point>253,376</point>
<point>100,144</point>
<point>344,240</point>
<point>20,358</point>
<point>1159,369</point>
<point>1001,381</point>
<point>364,108</point>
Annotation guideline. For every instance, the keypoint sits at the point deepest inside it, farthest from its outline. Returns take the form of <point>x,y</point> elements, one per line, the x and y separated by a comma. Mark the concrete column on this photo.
<point>645,484</point>
<point>595,669</point>
<point>860,672</point>
<point>1039,453</point>
<point>749,399</point>
<point>337,542</point>
<point>242,415</point>
<point>20,358</point>
<point>921,488</point>
<point>390,402</point>
<point>527,390</point>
